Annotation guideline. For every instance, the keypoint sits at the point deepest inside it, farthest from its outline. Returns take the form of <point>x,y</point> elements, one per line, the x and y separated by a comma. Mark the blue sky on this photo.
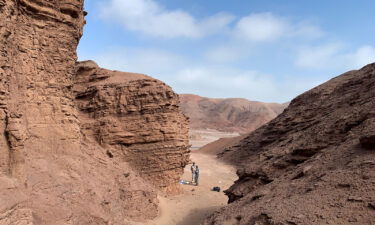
<point>260,50</point>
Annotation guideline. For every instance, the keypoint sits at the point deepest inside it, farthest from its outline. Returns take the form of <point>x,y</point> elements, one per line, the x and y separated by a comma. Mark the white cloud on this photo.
<point>270,27</point>
<point>226,82</point>
<point>261,27</point>
<point>221,65</point>
<point>307,30</point>
<point>334,56</point>
<point>226,53</point>
<point>319,56</point>
<point>232,83</point>
<point>362,56</point>
<point>139,60</point>
<point>151,18</point>
<point>189,76</point>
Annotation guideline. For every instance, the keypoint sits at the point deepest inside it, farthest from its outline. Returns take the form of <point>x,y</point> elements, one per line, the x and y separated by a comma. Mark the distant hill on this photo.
<point>228,115</point>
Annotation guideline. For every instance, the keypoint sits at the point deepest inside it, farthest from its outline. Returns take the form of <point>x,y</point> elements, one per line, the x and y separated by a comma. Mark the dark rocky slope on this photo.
<point>313,164</point>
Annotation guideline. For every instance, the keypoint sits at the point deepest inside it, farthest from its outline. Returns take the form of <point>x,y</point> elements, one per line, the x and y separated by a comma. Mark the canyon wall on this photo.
<point>66,158</point>
<point>38,45</point>
<point>313,164</point>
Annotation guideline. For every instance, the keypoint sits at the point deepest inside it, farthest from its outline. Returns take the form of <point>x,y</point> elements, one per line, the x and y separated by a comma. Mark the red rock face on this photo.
<point>52,169</point>
<point>37,62</point>
<point>313,164</point>
<point>137,119</point>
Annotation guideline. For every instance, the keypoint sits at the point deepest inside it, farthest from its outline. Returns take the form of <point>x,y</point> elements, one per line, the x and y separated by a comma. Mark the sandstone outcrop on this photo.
<point>313,164</point>
<point>65,155</point>
<point>136,116</point>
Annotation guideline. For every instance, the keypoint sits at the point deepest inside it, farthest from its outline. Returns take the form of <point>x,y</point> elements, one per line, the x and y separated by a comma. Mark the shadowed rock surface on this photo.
<point>70,144</point>
<point>313,164</point>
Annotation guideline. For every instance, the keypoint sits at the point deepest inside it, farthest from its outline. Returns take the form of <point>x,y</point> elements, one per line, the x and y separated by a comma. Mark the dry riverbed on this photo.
<point>197,202</point>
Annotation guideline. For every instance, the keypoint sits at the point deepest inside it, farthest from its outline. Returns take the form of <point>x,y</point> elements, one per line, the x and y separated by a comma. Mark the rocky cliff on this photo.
<point>313,164</point>
<point>74,146</point>
<point>138,118</point>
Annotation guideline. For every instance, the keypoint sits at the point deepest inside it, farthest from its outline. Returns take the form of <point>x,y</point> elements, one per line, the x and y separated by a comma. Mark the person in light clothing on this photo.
<point>196,176</point>
<point>193,169</point>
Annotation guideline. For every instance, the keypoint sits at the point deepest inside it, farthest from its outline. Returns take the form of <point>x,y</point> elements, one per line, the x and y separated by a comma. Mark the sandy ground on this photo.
<point>199,138</point>
<point>197,202</point>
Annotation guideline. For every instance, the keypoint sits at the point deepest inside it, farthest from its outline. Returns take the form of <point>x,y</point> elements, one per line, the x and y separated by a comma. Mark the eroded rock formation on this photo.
<point>136,116</point>
<point>63,164</point>
<point>313,164</point>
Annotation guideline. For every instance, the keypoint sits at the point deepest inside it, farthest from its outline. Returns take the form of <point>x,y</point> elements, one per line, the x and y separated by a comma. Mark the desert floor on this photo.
<point>199,138</point>
<point>197,202</point>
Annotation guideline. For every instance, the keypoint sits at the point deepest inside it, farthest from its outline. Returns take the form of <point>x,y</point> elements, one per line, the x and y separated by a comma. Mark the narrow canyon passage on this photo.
<point>197,202</point>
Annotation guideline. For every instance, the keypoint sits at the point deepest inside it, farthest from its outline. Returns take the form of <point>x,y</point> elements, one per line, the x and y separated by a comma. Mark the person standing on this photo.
<point>193,169</point>
<point>196,176</point>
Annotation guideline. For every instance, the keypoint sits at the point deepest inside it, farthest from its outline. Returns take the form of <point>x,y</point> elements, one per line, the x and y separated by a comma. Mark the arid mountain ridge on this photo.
<point>228,115</point>
<point>215,121</point>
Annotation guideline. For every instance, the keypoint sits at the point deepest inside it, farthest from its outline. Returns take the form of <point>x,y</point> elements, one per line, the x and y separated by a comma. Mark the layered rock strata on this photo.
<point>313,164</point>
<point>37,56</point>
<point>136,116</point>
<point>51,170</point>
